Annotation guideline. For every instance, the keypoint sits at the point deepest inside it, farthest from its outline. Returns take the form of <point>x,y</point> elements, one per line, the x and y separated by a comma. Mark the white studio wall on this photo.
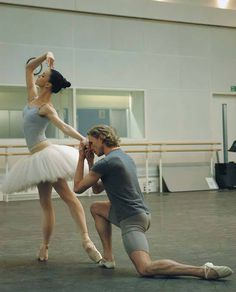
<point>178,65</point>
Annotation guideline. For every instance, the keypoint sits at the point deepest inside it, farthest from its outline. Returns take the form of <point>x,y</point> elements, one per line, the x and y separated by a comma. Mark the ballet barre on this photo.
<point>160,165</point>
<point>147,148</point>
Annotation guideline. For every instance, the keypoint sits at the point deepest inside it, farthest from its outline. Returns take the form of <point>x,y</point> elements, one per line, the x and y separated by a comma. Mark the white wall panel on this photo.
<point>52,28</point>
<point>161,37</point>
<point>163,113</point>
<point>223,74</point>
<point>127,35</point>
<point>194,73</point>
<point>12,59</point>
<point>195,115</point>
<point>109,69</point>
<point>15,25</point>
<point>223,42</point>
<point>176,115</point>
<point>161,71</point>
<point>193,40</point>
<point>92,32</point>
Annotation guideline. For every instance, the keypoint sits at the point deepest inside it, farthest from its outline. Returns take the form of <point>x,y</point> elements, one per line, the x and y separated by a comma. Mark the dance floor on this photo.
<point>189,227</point>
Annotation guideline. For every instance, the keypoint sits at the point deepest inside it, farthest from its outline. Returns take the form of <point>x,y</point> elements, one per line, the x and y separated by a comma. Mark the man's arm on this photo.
<point>82,183</point>
<point>98,186</point>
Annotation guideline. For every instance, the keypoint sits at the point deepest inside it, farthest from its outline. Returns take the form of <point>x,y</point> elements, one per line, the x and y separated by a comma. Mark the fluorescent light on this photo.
<point>223,3</point>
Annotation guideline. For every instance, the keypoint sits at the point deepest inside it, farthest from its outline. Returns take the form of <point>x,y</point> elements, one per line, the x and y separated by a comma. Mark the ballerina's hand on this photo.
<point>85,141</point>
<point>50,60</point>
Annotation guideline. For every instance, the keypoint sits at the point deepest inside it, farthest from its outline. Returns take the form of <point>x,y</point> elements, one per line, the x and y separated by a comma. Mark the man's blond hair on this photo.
<point>106,133</point>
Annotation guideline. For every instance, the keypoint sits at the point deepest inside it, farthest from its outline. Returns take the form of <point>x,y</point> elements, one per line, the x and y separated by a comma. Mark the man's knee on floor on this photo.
<point>141,264</point>
<point>143,270</point>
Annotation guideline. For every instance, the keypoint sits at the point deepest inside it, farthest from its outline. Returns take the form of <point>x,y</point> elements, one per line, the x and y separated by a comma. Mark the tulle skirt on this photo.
<point>49,164</point>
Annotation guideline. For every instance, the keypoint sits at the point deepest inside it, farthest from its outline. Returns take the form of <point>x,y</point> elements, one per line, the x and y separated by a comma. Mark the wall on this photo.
<point>178,64</point>
<point>194,11</point>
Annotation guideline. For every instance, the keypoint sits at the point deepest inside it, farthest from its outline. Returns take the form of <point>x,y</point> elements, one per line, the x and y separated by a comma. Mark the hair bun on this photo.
<point>58,81</point>
<point>66,83</point>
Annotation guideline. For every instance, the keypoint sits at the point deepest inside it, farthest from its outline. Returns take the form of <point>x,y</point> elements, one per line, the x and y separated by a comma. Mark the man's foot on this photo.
<point>212,272</point>
<point>92,251</point>
<point>43,253</point>
<point>107,264</point>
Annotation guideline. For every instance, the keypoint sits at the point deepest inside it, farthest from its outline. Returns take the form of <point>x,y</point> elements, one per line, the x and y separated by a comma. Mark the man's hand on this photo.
<point>89,156</point>
<point>82,150</point>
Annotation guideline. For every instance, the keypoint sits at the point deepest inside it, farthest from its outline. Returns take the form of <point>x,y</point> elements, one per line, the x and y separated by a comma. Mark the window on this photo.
<point>12,101</point>
<point>123,110</point>
<point>81,108</point>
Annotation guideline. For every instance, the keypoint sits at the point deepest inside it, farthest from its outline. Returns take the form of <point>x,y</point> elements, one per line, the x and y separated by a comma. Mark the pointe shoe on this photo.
<point>107,264</point>
<point>43,253</point>
<point>92,251</point>
<point>221,271</point>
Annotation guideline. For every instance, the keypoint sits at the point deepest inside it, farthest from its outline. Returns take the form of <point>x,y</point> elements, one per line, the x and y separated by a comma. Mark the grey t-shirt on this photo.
<point>119,176</point>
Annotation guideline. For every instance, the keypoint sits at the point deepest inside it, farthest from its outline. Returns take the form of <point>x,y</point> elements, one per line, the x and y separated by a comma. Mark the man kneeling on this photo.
<point>116,174</point>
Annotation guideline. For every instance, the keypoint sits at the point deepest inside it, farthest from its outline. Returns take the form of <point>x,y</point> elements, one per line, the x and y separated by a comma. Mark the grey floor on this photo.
<point>190,227</point>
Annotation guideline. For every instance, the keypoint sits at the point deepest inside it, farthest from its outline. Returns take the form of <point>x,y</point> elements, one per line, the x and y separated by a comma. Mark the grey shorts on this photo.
<point>133,232</point>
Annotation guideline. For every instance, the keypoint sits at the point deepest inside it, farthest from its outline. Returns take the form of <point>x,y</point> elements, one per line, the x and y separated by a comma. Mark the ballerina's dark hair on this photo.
<point>58,81</point>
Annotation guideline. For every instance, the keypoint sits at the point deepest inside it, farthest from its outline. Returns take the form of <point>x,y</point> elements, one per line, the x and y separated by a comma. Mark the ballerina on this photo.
<point>49,166</point>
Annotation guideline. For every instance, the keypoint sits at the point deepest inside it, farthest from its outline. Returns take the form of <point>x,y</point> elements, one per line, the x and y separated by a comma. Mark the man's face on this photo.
<point>96,145</point>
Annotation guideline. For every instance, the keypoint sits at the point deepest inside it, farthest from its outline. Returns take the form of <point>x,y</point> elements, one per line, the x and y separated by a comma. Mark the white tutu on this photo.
<point>49,164</point>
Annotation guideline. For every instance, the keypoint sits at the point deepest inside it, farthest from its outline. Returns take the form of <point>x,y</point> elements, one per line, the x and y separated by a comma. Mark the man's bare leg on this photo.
<point>146,267</point>
<point>100,212</point>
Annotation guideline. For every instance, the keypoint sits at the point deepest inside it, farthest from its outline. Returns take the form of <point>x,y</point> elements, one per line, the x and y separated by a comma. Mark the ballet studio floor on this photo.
<point>190,227</point>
